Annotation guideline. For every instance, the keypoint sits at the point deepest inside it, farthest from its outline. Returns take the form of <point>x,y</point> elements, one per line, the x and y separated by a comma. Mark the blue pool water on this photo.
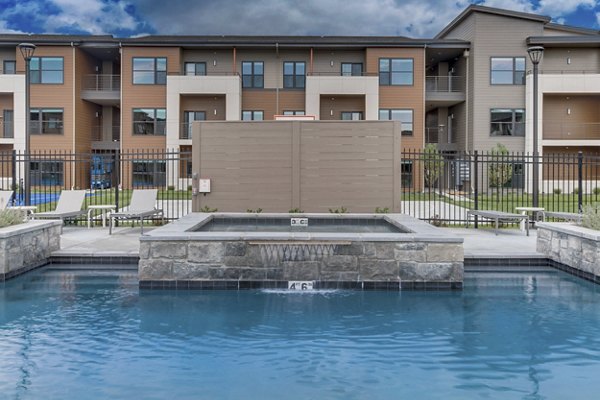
<point>93,335</point>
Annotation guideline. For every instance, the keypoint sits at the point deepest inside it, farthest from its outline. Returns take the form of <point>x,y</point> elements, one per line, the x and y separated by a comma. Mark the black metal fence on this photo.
<point>437,187</point>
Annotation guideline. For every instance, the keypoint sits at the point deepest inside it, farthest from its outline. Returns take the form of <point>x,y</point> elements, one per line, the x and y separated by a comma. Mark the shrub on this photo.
<point>171,188</point>
<point>557,191</point>
<point>591,216</point>
<point>257,211</point>
<point>295,211</point>
<point>575,191</point>
<point>500,170</point>
<point>341,210</point>
<point>596,191</point>
<point>207,209</point>
<point>379,210</point>
<point>11,217</point>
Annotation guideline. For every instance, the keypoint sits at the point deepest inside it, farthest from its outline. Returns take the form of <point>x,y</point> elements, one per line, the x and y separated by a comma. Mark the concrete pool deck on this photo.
<point>124,242</point>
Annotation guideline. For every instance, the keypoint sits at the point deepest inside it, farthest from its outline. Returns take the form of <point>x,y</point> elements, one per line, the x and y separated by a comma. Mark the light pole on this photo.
<point>27,50</point>
<point>535,54</point>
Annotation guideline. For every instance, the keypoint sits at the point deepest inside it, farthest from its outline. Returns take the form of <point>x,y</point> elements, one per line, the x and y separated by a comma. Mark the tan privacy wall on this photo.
<point>313,166</point>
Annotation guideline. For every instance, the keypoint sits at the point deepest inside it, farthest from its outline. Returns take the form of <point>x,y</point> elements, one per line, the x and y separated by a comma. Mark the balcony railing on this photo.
<point>342,74</point>
<point>445,84</point>
<point>594,71</point>
<point>105,83</point>
<point>571,131</point>
<point>218,73</point>
<point>98,134</point>
<point>432,135</point>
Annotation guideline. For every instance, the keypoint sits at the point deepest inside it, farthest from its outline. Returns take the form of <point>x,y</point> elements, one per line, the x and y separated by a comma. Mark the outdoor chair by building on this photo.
<point>499,216</point>
<point>5,197</point>
<point>141,206</point>
<point>69,205</point>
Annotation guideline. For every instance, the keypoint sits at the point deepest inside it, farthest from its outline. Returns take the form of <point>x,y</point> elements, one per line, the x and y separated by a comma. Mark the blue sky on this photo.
<point>125,18</point>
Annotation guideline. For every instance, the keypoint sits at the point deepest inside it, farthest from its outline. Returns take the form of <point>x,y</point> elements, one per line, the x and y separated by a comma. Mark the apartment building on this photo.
<point>466,89</point>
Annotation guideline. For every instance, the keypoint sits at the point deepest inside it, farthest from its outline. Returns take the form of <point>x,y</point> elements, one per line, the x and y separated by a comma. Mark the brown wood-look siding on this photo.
<point>331,107</point>
<point>143,96</point>
<point>403,97</point>
<point>208,104</point>
<point>266,100</point>
<point>6,103</point>
<point>314,166</point>
<point>582,123</point>
<point>54,96</point>
<point>85,111</point>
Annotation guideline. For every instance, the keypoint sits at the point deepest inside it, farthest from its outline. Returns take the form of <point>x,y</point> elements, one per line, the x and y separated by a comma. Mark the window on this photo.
<point>195,68</point>
<point>404,116</point>
<point>46,173</point>
<point>507,122</point>
<point>406,174</point>
<point>149,173</point>
<point>293,112</point>
<point>252,115</point>
<point>149,121</point>
<point>253,74</point>
<point>294,75</point>
<point>9,67</point>
<point>46,121</point>
<point>352,69</point>
<point>395,71</point>
<point>352,115</point>
<point>149,71</point>
<point>189,117</point>
<point>508,71</point>
<point>46,70</point>
<point>7,127</point>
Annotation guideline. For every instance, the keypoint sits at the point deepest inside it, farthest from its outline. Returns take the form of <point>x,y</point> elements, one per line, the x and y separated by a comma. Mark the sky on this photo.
<point>130,18</point>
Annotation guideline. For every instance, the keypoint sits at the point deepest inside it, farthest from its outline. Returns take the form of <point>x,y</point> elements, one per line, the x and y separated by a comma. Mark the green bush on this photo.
<point>207,209</point>
<point>257,211</point>
<point>295,211</point>
<point>596,191</point>
<point>557,191</point>
<point>341,210</point>
<point>575,191</point>
<point>591,216</point>
<point>11,217</point>
<point>379,210</point>
<point>171,188</point>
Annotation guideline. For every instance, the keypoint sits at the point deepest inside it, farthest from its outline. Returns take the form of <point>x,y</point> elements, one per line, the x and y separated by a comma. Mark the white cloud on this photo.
<point>5,29</point>
<point>556,8</point>
<point>515,5</point>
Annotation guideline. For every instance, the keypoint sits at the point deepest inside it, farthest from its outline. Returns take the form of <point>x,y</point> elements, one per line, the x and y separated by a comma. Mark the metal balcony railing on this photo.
<point>338,73</point>
<point>98,133</point>
<point>445,84</point>
<point>98,82</point>
<point>571,131</point>
<point>7,130</point>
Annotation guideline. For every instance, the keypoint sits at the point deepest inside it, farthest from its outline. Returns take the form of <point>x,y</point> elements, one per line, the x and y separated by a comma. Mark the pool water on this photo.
<point>93,335</point>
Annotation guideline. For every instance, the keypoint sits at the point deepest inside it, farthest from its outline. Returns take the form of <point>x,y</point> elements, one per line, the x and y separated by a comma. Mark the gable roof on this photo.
<point>490,10</point>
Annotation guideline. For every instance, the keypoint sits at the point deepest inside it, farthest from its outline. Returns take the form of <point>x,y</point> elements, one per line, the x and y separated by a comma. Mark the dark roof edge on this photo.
<point>563,40</point>
<point>489,10</point>
<point>573,29</point>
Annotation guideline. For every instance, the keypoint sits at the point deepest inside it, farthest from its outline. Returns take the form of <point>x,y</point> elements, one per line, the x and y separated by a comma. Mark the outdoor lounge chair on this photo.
<point>498,216</point>
<point>575,217</point>
<point>142,205</point>
<point>5,196</point>
<point>69,205</point>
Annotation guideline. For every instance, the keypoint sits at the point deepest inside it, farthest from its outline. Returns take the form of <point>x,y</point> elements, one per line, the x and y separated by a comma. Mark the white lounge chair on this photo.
<point>69,205</point>
<point>5,197</point>
<point>142,205</point>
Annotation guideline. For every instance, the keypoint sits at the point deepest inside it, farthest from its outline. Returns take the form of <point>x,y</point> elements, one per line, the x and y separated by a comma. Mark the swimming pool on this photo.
<point>82,334</point>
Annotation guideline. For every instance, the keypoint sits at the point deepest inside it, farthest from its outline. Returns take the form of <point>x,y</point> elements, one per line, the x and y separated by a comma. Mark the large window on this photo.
<point>253,74</point>
<point>46,121</point>
<point>189,117</point>
<point>47,173</point>
<point>294,75</point>
<point>396,71</point>
<point>352,115</point>
<point>404,116</point>
<point>9,67</point>
<point>151,173</point>
<point>252,115</point>
<point>46,70</point>
<point>507,122</point>
<point>149,71</point>
<point>507,71</point>
<point>352,69</point>
<point>149,121</point>
<point>293,112</point>
<point>195,68</point>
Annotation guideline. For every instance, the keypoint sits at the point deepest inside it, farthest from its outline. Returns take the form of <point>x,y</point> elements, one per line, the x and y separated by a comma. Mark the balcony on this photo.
<point>444,91</point>
<point>571,131</point>
<point>105,138</point>
<point>333,84</point>
<point>102,89</point>
<point>432,135</point>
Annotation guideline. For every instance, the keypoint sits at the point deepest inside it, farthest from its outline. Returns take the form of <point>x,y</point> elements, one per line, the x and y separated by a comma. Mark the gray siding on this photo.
<point>273,64</point>
<point>322,60</point>
<point>6,54</point>
<point>582,60</point>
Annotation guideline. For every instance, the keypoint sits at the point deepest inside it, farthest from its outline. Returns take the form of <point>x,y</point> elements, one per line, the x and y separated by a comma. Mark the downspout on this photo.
<point>278,76</point>
<point>423,107</point>
<point>467,115</point>
<point>121,100</point>
<point>73,116</point>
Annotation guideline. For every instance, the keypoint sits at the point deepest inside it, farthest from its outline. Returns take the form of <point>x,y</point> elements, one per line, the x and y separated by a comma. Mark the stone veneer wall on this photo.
<point>27,246</point>
<point>406,264</point>
<point>571,245</point>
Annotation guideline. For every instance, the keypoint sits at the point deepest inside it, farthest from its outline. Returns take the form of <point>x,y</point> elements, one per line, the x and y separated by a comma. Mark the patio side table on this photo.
<point>105,208</point>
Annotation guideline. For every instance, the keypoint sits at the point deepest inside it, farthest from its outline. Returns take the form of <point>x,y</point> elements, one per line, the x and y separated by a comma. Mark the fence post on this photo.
<point>580,181</point>
<point>476,186</point>
<point>117,180</point>
<point>13,166</point>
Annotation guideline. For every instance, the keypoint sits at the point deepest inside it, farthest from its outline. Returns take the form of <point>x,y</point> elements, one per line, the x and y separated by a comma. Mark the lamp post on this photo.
<point>27,50</point>
<point>535,54</point>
